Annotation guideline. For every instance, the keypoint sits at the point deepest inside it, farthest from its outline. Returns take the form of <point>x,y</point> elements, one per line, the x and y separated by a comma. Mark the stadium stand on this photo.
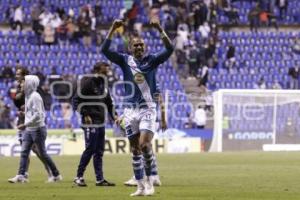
<point>291,14</point>
<point>70,59</point>
<point>235,59</point>
<point>267,55</point>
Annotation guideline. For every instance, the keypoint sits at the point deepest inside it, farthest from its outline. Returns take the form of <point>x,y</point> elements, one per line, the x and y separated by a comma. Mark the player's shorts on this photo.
<point>138,119</point>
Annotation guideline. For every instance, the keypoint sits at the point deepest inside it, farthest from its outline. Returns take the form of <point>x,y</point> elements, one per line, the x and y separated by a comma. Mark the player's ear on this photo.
<point>129,47</point>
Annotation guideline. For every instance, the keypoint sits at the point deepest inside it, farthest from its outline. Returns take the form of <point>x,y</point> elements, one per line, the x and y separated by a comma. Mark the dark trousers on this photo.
<point>193,68</point>
<point>36,26</point>
<point>94,147</point>
<point>38,138</point>
<point>253,24</point>
<point>282,11</point>
<point>200,127</point>
<point>18,23</point>
<point>294,83</point>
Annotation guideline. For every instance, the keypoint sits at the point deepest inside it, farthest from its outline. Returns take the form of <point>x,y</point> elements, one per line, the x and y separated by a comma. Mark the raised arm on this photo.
<point>167,52</point>
<point>113,56</point>
<point>162,112</point>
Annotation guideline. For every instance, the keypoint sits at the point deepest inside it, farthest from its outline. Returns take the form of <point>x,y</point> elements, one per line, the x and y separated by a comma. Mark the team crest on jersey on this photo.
<point>139,78</point>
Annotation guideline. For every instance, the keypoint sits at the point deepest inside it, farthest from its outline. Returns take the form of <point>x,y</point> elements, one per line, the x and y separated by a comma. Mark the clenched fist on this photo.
<point>117,24</point>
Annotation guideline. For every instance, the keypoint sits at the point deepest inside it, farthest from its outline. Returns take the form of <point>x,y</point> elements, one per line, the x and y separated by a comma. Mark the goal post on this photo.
<point>250,119</point>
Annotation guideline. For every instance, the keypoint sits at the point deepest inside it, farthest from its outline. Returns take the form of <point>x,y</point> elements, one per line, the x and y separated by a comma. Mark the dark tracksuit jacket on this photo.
<point>94,134</point>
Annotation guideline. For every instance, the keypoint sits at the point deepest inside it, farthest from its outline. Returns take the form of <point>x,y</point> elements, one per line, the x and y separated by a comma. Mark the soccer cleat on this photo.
<point>141,190</point>
<point>149,188</point>
<point>104,183</point>
<point>50,179</point>
<point>79,181</point>
<point>26,175</point>
<point>53,179</point>
<point>131,182</point>
<point>58,178</point>
<point>156,180</point>
<point>18,179</point>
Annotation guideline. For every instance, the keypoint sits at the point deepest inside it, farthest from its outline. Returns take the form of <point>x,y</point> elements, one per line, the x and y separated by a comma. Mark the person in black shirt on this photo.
<point>294,74</point>
<point>92,100</point>
<point>7,73</point>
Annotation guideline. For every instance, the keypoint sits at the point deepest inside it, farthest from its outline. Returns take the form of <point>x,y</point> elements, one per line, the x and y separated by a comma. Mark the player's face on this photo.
<point>19,75</point>
<point>103,70</point>
<point>137,47</point>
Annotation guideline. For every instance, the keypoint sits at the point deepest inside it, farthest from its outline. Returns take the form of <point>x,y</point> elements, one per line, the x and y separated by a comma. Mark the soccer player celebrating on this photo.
<point>90,105</point>
<point>154,170</point>
<point>140,113</point>
<point>35,130</point>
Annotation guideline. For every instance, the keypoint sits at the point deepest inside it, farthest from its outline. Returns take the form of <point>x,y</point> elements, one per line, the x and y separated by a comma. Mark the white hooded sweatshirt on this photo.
<point>34,106</point>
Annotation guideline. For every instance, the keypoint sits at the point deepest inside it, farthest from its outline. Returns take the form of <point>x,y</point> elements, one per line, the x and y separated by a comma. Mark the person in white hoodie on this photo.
<point>36,131</point>
<point>19,101</point>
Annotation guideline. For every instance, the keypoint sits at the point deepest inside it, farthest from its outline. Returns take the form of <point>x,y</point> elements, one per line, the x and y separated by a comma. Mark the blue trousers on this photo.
<point>37,138</point>
<point>21,134</point>
<point>94,147</point>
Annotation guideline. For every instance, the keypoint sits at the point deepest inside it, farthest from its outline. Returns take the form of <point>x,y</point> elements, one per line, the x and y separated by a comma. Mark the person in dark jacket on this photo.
<point>253,17</point>
<point>283,6</point>
<point>294,74</point>
<point>91,101</point>
<point>84,24</point>
<point>7,73</point>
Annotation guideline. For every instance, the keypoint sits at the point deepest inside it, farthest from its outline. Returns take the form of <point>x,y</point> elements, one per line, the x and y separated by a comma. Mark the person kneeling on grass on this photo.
<point>35,130</point>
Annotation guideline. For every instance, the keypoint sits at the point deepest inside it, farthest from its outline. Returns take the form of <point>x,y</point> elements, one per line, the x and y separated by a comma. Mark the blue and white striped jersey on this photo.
<point>141,73</point>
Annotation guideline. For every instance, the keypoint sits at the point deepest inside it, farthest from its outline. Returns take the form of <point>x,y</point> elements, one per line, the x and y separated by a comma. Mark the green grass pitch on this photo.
<point>206,176</point>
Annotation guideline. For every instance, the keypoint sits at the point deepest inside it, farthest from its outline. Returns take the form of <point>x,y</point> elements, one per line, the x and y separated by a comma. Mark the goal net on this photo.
<point>254,119</point>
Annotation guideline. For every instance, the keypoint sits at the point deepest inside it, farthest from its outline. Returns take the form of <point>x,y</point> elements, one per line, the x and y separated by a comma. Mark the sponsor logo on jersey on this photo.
<point>131,62</point>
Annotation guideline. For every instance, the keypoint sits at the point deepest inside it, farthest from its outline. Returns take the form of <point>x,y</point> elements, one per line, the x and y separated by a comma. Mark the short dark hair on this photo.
<point>98,66</point>
<point>24,71</point>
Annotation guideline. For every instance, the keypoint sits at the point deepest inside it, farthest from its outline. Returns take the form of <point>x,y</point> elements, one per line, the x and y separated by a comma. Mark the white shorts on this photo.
<point>138,119</point>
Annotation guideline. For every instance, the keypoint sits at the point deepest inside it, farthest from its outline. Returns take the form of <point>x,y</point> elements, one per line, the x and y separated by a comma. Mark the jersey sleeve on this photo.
<point>113,56</point>
<point>163,55</point>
